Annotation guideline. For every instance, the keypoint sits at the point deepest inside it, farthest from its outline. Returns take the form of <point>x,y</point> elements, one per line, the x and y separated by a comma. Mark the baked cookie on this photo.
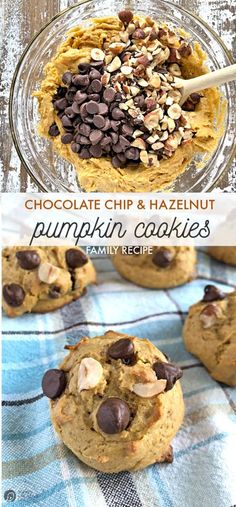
<point>116,402</point>
<point>165,267</point>
<point>226,254</point>
<point>210,333</point>
<point>41,279</point>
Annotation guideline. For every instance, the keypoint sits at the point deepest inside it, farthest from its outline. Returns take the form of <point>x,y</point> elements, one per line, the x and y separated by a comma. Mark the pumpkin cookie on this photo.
<point>41,279</point>
<point>116,402</point>
<point>226,254</point>
<point>210,333</point>
<point>165,267</point>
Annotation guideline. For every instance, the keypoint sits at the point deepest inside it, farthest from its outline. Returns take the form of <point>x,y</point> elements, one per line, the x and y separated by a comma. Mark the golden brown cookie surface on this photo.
<point>165,267</point>
<point>41,279</point>
<point>210,333</point>
<point>226,254</point>
<point>116,402</point>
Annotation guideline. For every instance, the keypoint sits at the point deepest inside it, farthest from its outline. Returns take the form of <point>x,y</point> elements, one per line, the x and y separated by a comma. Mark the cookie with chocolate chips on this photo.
<point>115,415</point>
<point>210,333</point>
<point>166,267</point>
<point>41,279</point>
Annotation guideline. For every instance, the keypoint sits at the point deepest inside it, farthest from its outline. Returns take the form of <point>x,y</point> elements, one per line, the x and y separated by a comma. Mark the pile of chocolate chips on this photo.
<point>93,123</point>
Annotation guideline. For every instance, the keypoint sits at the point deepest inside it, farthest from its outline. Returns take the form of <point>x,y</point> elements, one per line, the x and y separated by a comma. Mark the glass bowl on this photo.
<point>50,171</point>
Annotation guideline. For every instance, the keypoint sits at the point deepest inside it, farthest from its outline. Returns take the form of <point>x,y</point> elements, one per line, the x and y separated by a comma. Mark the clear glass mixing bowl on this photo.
<point>46,168</point>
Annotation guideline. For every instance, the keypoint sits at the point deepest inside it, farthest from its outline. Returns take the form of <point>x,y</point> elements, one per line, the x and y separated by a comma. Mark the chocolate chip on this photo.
<point>75,258</point>
<point>125,143</point>
<point>122,349</point>
<point>114,137</point>
<point>80,97</point>
<point>115,125</point>
<point>80,80</point>
<point>97,65</point>
<point>84,153</point>
<point>54,292</point>
<point>138,34</point>
<point>212,293</point>
<point>54,130</point>
<point>96,85</point>
<point>94,74</point>
<point>117,114</point>
<point>125,16</point>
<point>117,148</point>
<point>106,141</point>
<point>113,416</point>
<point>132,154</point>
<point>75,147</point>
<point>188,105</point>
<point>115,162</point>
<point>13,294</point>
<point>96,136</point>
<point>28,259</point>
<point>84,67</point>
<point>70,94</point>
<point>122,158</point>
<point>107,125</point>
<point>195,98</point>
<point>60,104</point>
<point>139,101</point>
<point>84,140</point>
<point>66,138</point>
<point>169,372</point>
<point>76,107</point>
<point>96,151</point>
<point>92,107</point>
<point>99,121</point>
<point>61,92</point>
<point>84,129</point>
<point>66,122</point>
<point>109,94</point>
<point>53,383</point>
<point>70,113</point>
<point>127,130</point>
<point>103,108</point>
<point>162,258</point>
<point>94,96</point>
<point>66,78</point>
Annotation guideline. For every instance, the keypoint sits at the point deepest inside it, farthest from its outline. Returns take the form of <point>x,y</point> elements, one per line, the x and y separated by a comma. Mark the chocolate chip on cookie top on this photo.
<point>125,102</point>
<point>53,383</point>
<point>162,258</point>
<point>28,259</point>
<point>13,294</point>
<point>122,349</point>
<point>168,371</point>
<point>75,258</point>
<point>113,416</point>
<point>212,293</point>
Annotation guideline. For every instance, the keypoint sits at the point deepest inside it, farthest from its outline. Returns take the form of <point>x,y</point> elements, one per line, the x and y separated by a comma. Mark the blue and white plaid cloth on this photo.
<point>39,470</point>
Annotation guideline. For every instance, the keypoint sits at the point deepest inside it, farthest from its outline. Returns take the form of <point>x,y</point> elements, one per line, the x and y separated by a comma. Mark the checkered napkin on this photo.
<point>39,470</point>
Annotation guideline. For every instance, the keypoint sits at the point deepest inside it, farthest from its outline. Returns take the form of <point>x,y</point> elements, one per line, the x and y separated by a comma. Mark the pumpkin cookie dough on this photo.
<point>210,333</point>
<point>166,267</point>
<point>109,102</point>
<point>116,402</point>
<point>42,279</point>
<point>226,254</point>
